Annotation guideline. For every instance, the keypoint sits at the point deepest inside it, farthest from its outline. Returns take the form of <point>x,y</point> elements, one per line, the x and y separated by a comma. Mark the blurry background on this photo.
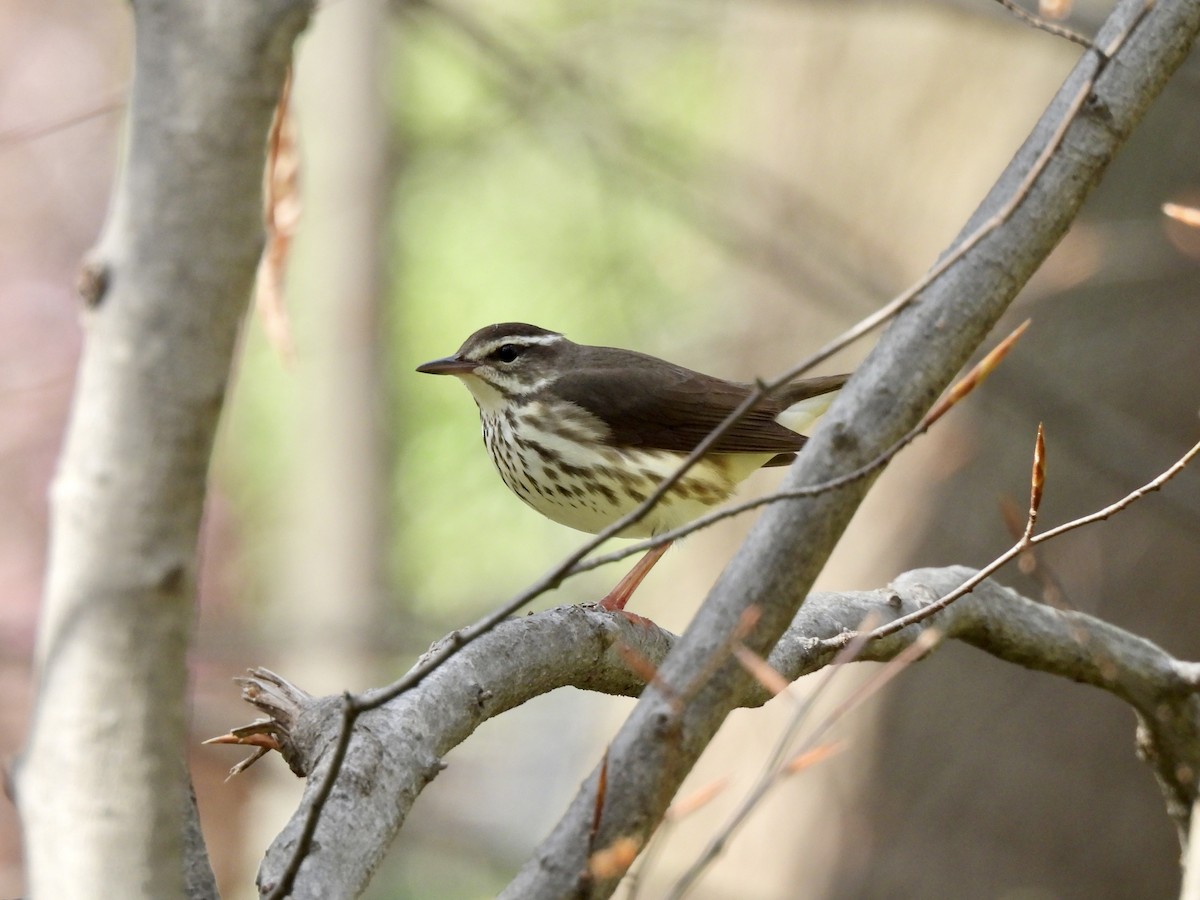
<point>723,184</point>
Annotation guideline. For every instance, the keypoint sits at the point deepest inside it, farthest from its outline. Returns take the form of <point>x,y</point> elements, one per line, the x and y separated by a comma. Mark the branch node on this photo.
<point>1097,107</point>
<point>92,282</point>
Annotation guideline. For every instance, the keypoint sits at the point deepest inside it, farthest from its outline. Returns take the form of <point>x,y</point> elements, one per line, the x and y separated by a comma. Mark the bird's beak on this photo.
<point>450,365</point>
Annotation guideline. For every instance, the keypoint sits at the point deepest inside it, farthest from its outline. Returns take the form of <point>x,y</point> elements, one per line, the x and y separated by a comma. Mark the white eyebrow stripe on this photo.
<point>519,340</point>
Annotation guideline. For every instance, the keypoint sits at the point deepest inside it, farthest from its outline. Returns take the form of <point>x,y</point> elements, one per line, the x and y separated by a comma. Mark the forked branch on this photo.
<point>397,748</point>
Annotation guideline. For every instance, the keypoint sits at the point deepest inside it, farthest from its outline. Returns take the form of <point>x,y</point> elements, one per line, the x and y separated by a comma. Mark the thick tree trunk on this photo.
<point>102,787</point>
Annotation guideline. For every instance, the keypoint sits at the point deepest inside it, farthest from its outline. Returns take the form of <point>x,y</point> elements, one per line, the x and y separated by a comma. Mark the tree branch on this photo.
<point>1096,109</point>
<point>101,786</point>
<point>397,749</point>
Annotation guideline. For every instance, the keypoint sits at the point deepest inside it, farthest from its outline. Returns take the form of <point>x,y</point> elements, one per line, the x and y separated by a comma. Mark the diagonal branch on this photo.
<point>959,301</point>
<point>1087,121</point>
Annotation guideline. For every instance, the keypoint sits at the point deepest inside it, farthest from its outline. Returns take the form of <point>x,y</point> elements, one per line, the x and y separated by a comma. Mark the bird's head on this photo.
<point>502,362</point>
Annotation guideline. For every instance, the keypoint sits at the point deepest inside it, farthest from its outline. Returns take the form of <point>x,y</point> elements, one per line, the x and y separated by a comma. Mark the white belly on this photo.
<point>589,490</point>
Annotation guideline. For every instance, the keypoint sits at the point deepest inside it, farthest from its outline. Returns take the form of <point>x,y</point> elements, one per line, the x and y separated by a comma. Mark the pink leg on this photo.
<point>619,596</point>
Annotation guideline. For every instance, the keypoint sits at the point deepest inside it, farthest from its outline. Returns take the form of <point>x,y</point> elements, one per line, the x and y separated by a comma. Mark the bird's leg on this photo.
<point>619,596</point>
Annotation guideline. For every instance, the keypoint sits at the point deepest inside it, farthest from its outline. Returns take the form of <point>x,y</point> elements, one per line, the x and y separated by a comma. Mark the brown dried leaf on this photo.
<point>614,860</point>
<point>1188,215</point>
<point>598,803</point>
<point>685,806</point>
<point>1010,515</point>
<point>746,622</point>
<point>281,213</point>
<point>762,671</point>
<point>641,667</point>
<point>975,377</point>
<point>249,740</point>
<point>810,758</point>
<point>1055,9</point>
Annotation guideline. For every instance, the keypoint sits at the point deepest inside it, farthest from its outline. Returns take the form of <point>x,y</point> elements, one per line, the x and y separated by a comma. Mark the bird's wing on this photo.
<point>656,405</point>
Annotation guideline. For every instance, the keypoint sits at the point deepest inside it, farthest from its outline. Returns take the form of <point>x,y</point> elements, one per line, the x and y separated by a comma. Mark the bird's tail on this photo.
<point>808,399</point>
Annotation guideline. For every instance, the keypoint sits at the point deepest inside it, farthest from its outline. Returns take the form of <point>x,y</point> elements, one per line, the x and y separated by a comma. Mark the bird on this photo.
<point>585,434</point>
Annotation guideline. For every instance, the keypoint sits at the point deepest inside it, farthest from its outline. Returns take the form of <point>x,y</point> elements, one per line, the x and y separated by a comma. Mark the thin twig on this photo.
<point>350,713</point>
<point>777,768</point>
<point>1041,24</point>
<point>1021,546</point>
<point>676,812</point>
<point>20,134</point>
<point>847,654</point>
<point>796,721</point>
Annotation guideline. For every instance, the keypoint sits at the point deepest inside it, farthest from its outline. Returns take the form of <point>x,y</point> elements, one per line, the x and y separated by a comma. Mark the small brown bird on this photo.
<point>585,434</point>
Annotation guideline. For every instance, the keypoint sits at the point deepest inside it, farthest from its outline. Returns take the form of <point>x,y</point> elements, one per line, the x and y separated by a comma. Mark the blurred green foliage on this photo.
<point>528,187</point>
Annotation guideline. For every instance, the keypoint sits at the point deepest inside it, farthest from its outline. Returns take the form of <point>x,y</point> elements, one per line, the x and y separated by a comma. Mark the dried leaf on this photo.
<point>641,667</point>
<point>809,758</point>
<point>281,213</point>
<point>598,803</point>
<point>764,673</point>
<point>249,740</point>
<point>614,860</point>
<point>746,622</point>
<point>684,807</point>
<point>975,377</point>
<point>1188,215</point>
<point>1054,9</point>
<point>1010,515</point>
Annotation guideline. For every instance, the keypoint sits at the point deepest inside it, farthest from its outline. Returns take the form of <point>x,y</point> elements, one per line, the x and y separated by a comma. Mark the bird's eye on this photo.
<point>508,353</point>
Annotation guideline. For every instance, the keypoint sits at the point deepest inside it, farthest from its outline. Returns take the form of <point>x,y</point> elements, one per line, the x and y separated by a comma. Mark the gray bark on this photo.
<point>101,786</point>
<point>397,749</point>
<point>914,361</point>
